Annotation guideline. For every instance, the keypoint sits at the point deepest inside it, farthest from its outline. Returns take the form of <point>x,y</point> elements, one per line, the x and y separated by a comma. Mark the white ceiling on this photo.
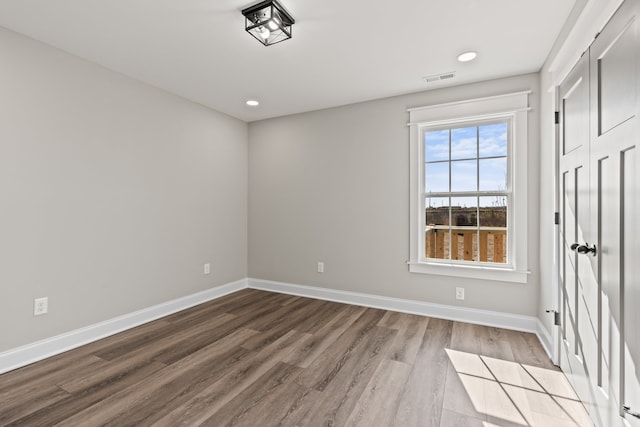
<point>342,51</point>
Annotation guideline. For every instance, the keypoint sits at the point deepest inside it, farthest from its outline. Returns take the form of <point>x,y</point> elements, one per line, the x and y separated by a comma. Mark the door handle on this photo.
<point>584,249</point>
<point>627,410</point>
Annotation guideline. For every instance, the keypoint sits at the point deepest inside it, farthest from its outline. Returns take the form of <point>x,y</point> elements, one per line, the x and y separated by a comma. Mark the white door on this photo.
<point>600,185</point>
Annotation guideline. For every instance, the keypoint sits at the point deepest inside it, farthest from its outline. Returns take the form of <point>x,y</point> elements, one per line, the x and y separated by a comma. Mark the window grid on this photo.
<point>477,194</point>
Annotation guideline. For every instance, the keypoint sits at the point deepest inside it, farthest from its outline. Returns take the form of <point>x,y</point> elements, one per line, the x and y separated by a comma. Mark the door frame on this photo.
<point>556,288</point>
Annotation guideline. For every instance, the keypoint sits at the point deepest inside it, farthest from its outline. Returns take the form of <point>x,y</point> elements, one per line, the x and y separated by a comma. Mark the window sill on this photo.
<point>470,271</point>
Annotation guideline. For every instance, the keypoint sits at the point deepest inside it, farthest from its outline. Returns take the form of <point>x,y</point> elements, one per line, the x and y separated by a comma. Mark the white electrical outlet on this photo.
<point>40,306</point>
<point>460,293</point>
<point>320,267</point>
<point>207,268</point>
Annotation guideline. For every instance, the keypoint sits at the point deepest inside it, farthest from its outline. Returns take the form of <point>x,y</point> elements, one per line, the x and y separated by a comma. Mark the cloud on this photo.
<point>493,140</point>
<point>464,148</point>
<point>436,145</point>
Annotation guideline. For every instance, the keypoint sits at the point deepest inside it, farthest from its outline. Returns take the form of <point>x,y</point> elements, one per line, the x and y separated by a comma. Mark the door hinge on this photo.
<point>628,411</point>
<point>556,117</point>
<point>556,317</point>
<point>556,218</point>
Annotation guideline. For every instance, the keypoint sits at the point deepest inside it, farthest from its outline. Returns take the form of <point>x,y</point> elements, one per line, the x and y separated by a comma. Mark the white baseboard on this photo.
<point>461,314</point>
<point>30,353</point>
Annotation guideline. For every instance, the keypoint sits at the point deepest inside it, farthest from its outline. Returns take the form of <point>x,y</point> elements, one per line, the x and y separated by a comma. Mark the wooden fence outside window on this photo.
<point>461,243</point>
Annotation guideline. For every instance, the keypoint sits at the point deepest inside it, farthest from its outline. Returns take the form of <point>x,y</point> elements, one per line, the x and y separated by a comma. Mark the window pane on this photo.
<point>437,211</point>
<point>464,143</point>
<point>464,175</point>
<point>437,233</point>
<point>493,140</point>
<point>493,174</point>
<point>493,211</point>
<point>464,233</point>
<point>436,177</point>
<point>464,211</point>
<point>436,145</point>
<point>493,229</point>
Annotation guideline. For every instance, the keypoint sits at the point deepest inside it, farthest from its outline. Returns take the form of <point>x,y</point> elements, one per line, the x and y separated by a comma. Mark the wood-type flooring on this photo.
<point>255,358</point>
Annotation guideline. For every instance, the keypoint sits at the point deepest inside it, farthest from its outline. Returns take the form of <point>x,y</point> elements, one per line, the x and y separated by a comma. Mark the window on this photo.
<point>466,191</point>
<point>468,195</point>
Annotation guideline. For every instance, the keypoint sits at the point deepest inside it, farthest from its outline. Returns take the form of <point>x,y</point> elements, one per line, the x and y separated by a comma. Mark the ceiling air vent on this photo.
<point>439,77</point>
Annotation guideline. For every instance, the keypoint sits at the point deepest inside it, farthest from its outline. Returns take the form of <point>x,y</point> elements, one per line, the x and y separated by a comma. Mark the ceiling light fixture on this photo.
<point>268,22</point>
<point>252,103</point>
<point>467,56</point>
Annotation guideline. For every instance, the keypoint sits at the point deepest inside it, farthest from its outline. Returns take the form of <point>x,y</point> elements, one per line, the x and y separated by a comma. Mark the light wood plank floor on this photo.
<point>256,358</point>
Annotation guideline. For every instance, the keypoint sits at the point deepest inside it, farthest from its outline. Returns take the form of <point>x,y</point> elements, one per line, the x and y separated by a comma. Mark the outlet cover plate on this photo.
<point>40,306</point>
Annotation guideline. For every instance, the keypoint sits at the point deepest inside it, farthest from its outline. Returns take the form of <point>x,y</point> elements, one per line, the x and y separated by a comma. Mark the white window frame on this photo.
<point>513,107</point>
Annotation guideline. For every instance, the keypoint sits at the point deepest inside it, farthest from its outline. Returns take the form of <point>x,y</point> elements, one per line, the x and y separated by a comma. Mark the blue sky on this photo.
<point>467,145</point>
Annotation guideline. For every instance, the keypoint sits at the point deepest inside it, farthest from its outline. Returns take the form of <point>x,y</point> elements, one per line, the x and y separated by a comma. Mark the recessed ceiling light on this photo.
<point>467,56</point>
<point>252,103</point>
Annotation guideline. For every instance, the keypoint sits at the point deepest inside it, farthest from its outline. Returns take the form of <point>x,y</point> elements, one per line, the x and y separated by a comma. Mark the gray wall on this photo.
<point>333,186</point>
<point>113,194</point>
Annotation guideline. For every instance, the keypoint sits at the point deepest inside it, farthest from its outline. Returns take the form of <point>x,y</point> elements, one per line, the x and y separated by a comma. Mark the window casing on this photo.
<point>466,219</point>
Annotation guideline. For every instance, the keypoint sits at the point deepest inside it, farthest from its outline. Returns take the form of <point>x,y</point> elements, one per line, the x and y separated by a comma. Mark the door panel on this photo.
<point>576,120</point>
<point>616,74</point>
<point>607,199</point>
<point>609,301</point>
<point>568,270</point>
